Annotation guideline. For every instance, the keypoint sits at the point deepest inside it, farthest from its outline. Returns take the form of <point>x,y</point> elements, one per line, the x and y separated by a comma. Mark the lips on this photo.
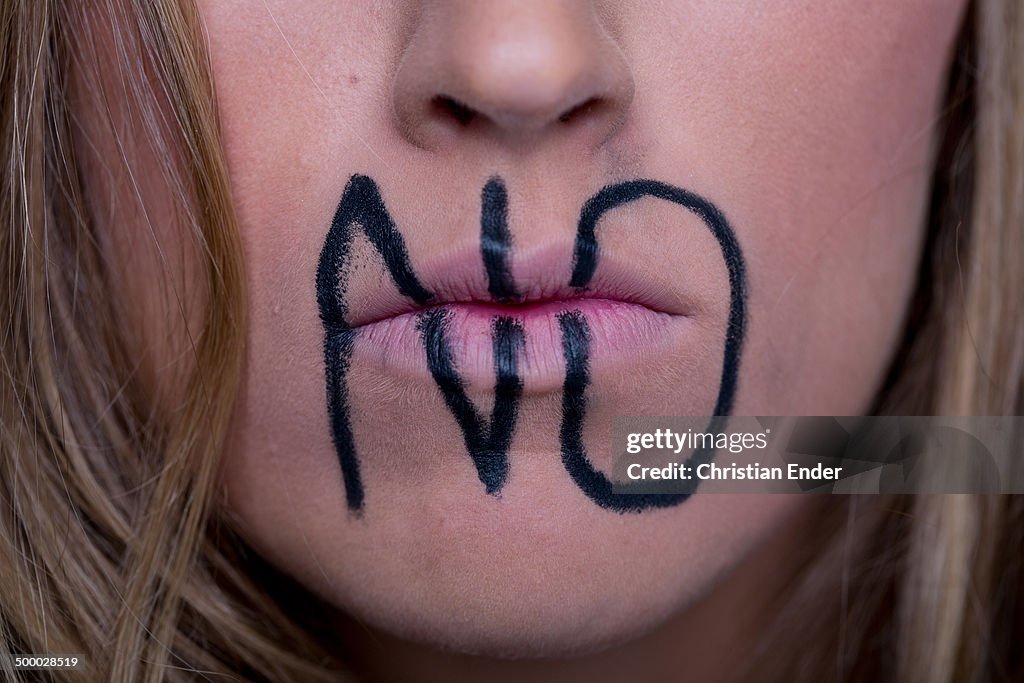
<point>628,315</point>
<point>607,314</point>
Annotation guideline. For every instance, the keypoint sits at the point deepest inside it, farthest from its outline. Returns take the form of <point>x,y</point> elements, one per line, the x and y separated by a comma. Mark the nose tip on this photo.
<point>510,69</point>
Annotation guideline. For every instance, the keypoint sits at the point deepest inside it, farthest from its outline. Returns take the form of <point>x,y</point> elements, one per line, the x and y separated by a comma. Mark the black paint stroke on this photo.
<point>576,339</point>
<point>338,355</point>
<point>487,442</point>
<point>360,208</point>
<point>576,349</point>
<point>496,241</point>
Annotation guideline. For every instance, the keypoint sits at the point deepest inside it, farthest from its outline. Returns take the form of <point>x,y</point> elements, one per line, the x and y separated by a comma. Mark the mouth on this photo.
<point>509,324</point>
<point>628,316</point>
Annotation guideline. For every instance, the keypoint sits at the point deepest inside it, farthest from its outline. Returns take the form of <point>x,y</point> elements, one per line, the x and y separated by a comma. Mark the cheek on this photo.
<point>815,125</point>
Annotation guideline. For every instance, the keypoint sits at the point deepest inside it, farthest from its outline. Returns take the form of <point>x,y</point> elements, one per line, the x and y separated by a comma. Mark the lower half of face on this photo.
<point>444,327</point>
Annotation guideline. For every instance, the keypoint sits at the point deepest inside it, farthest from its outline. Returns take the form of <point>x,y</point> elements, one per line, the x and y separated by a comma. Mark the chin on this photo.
<point>539,573</point>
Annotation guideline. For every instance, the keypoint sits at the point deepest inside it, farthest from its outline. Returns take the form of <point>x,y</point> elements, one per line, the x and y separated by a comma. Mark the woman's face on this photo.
<point>438,342</point>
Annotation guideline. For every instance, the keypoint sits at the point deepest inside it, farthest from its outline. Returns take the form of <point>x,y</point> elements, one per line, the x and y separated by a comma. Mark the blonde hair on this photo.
<point>110,551</point>
<point>112,544</point>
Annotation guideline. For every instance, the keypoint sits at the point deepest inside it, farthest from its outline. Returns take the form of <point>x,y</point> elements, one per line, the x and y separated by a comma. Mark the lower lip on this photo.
<point>620,332</point>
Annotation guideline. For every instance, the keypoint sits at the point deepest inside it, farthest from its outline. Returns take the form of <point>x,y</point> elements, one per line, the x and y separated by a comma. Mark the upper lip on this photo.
<point>541,277</point>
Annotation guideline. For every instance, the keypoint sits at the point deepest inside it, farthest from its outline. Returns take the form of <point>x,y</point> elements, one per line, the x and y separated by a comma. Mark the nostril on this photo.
<point>449,107</point>
<point>581,110</point>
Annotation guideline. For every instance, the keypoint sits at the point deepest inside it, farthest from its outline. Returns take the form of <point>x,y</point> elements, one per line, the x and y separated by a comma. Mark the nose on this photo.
<point>510,70</point>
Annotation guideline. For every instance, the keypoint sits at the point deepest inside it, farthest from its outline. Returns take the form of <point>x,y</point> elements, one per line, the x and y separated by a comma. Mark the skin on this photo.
<point>809,123</point>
